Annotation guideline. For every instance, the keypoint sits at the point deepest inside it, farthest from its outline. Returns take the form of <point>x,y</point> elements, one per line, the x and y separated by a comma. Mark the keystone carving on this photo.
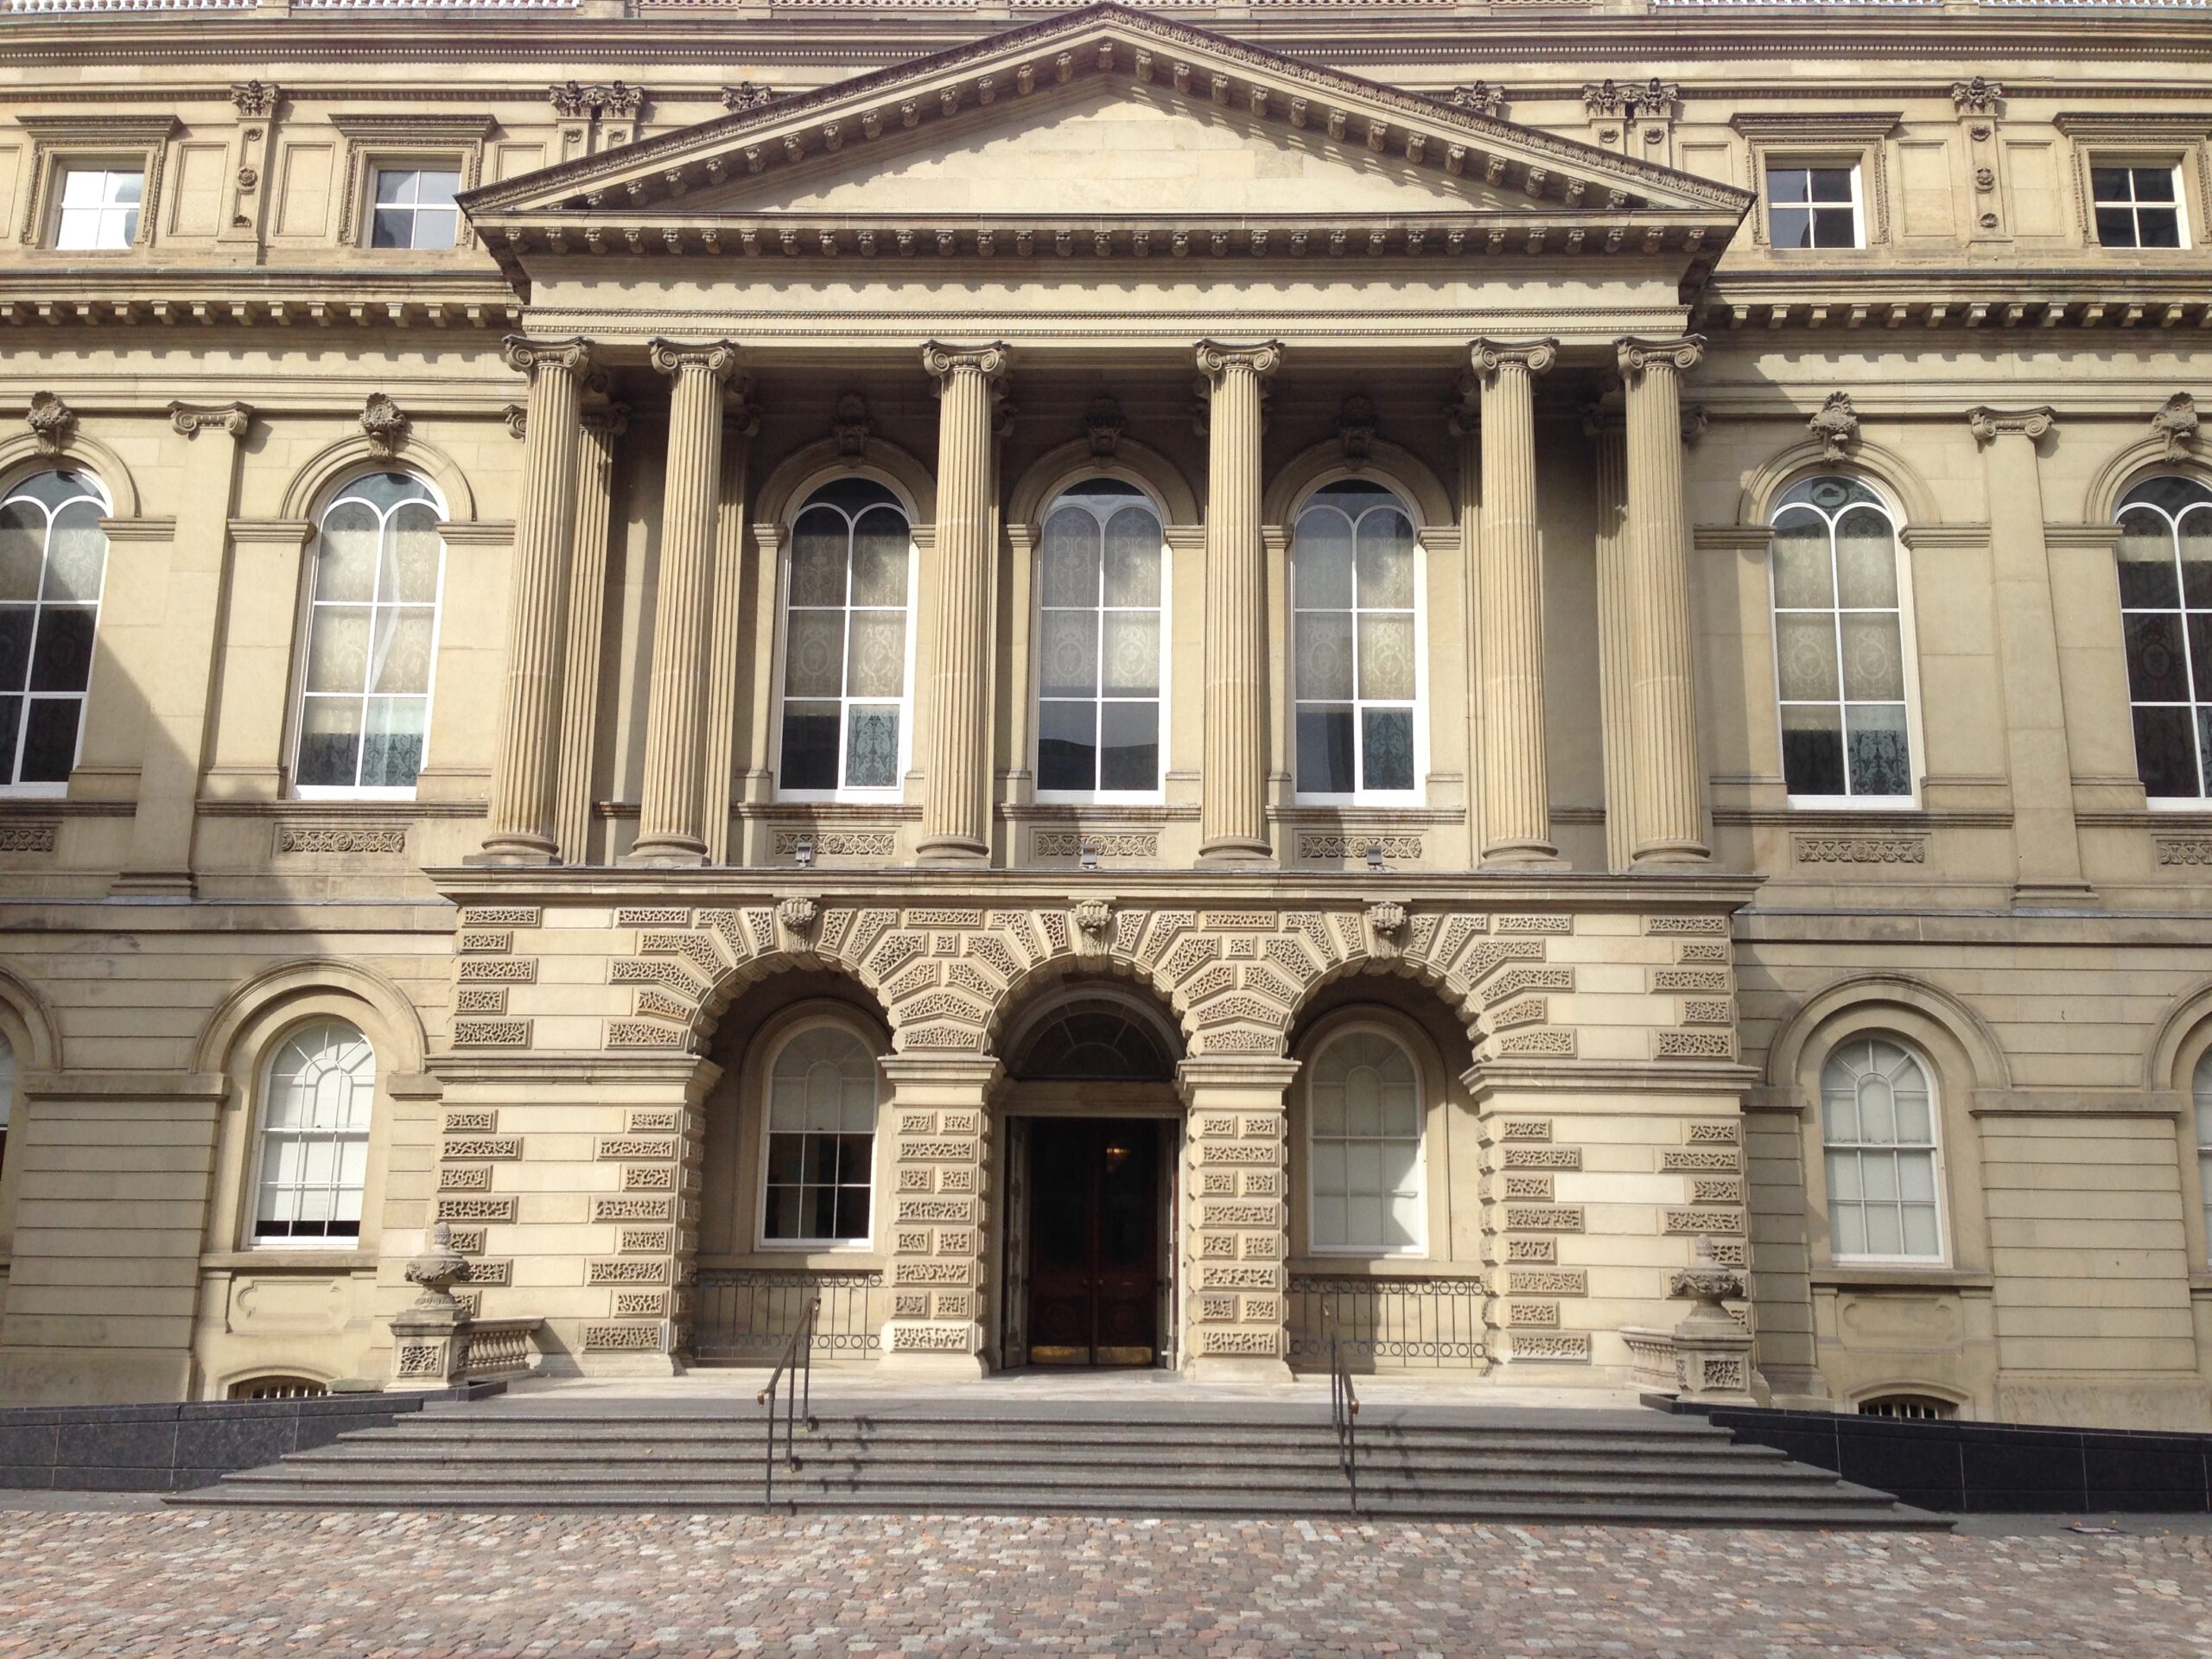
<point>385,423</point>
<point>1356,428</point>
<point>1980,96</point>
<point>1836,424</point>
<point>797,916</point>
<point>850,424</point>
<point>53,423</point>
<point>1102,422</point>
<point>1389,920</point>
<point>2176,423</point>
<point>1093,916</point>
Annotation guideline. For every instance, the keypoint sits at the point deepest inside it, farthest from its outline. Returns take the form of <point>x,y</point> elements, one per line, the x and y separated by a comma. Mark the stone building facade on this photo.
<point>1091,680</point>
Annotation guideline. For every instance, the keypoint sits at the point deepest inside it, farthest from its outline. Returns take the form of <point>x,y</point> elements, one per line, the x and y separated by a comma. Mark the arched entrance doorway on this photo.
<point>1092,1135</point>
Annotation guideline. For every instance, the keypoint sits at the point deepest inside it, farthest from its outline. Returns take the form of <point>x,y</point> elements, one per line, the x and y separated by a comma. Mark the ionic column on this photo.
<point>937,1119</point>
<point>1616,610</point>
<point>1668,776</point>
<point>603,429</point>
<point>955,728</point>
<point>1236,1231</point>
<point>1232,797</point>
<point>1516,791</point>
<point>669,827</point>
<point>521,828</point>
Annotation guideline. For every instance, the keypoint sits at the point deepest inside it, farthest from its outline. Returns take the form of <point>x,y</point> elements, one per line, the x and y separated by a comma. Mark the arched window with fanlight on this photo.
<point>372,639</point>
<point>2166,604</point>
<point>847,644</point>
<point>1843,674</point>
<point>1363,1146</point>
<point>1356,643</point>
<point>1878,1135</point>
<point>52,568</point>
<point>312,1160</point>
<point>1102,615</point>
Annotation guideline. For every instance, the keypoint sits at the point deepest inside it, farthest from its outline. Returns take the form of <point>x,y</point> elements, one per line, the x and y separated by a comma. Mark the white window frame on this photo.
<point>1360,795</point>
<point>378,166</point>
<point>2202,799</point>
<point>1158,793</point>
<point>1908,648</point>
<point>2201,1104</point>
<point>1942,1258</point>
<point>766,1085</point>
<point>265,1095</point>
<point>9,790</point>
<point>2093,163</point>
<point>107,167</point>
<point>1419,1248</point>
<point>895,791</point>
<point>305,642</point>
<point>1771,164</point>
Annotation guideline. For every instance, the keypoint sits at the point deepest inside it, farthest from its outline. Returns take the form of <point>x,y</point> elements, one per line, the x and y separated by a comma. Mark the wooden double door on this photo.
<point>1093,1245</point>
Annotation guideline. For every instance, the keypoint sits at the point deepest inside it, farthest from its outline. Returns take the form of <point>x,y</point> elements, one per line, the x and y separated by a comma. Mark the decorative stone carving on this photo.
<point>1356,429</point>
<point>1389,920</point>
<point>850,423</point>
<point>517,418</point>
<point>590,100</point>
<point>1654,97</point>
<point>192,419</point>
<point>797,917</point>
<point>255,99</point>
<point>436,1269</point>
<point>748,95</point>
<point>1988,424</point>
<point>1103,425</point>
<point>384,424</point>
<point>2176,423</point>
<point>1980,96</point>
<point>1836,424</point>
<point>1478,98</point>
<point>1091,916</point>
<point>53,423</point>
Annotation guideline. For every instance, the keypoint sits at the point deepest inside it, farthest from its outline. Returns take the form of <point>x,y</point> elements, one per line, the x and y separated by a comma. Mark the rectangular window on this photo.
<point>1364,1141</point>
<point>100,208</point>
<point>2137,207</point>
<point>1813,207</point>
<point>415,208</point>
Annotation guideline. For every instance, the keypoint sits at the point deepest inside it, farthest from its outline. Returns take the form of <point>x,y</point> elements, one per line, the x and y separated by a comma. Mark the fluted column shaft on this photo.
<point>1615,613</point>
<point>521,829</point>
<point>1232,799</point>
<point>1668,790</point>
<point>669,827</point>
<point>1516,791</point>
<point>955,724</point>
<point>603,429</point>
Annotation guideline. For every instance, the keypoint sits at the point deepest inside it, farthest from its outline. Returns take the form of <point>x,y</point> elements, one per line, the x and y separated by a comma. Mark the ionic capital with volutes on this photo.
<point>1637,354</point>
<point>1217,357</point>
<point>527,356</point>
<point>192,418</point>
<point>1989,425</point>
<point>991,361</point>
<point>717,356</point>
<point>1490,356</point>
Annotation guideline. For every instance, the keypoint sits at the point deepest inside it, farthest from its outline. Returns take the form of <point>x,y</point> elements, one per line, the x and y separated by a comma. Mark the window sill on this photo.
<point>289,1258</point>
<point>1899,1275</point>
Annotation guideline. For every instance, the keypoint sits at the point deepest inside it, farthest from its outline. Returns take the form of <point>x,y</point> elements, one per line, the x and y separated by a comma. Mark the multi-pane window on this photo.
<point>315,1134</point>
<point>372,632</point>
<point>8,1096</point>
<point>1813,207</point>
<point>2203,1093</point>
<point>2136,206</point>
<point>1877,1125</point>
<point>1100,603</point>
<point>821,1100</point>
<point>2166,604</point>
<point>1363,1135</point>
<point>415,208</point>
<point>52,564</point>
<point>1355,627</point>
<point>1839,645</point>
<point>845,642</point>
<point>100,208</point>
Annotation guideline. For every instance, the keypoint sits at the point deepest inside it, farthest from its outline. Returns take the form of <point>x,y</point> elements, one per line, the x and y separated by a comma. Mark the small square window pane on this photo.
<point>1131,655</point>
<point>1884,1236</point>
<point>1328,1159</point>
<point>872,748</point>
<point>16,621</point>
<point>875,657</point>
<point>338,648</point>
<point>1068,654</point>
<point>1067,745</point>
<point>2153,184</point>
<point>1917,1177</point>
<point>2115,227</point>
<point>1325,655</point>
<point>437,227</point>
<point>1331,1221</point>
<point>2158,227</point>
<point>1920,1230</point>
<point>810,747</point>
<point>1873,658</point>
<point>1866,560</point>
<point>437,188</point>
<point>1881,755</point>
<point>395,184</point>
<point>1812,750</point>
<point>330,741</point>
<point>1129,746</point>
<point>391,743</point>
<point>2109,183</point>
<point>2156,670</point>
<point>1839,1114</point>
<point>1324,751</point>
<point>50,739</point>
<point>1386,657</point>
<point>62,658</point>
<point>1785,184</point>
<point>1789,227</point>
<point>400,664</point>
<point>2166,752</point>
<point>391,227</point>
<point>1831,184</point>
<point>84,187</point>
<point>814,654</point>
<point>1805,652</point>
<point>1804,577</point>
<point>1387,738</point>
<point>1835,227</point>
<point>1402,1225</point>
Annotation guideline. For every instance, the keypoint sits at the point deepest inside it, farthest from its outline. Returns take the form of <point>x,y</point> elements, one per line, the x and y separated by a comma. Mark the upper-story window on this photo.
<point>313,1155</point>
<point>2203,1091</point>
<point>53,566</point>
<point>2139,206</point>
<point>1814,207</point>
<point>99,207</point>
<point>848,677</point>
<point>372,639</point>
<point>822,1092</point>
<point>1355,614</point>
<point>8,1095</point>
<point>2166,603</point>
<point>414,208</point>
<point>1840,666</point>
<point>1364,1138</point>
<point>1878,1128</point>
<point>1101,613</point>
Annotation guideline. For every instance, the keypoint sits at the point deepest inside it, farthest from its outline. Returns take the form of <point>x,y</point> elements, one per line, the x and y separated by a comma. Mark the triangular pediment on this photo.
<point>1105,131</point>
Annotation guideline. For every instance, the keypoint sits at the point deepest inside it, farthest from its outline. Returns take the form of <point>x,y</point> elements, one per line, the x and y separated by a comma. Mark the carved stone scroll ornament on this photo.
<point>517,418</point>
<point>588,100</point>
<point>385,423</point>
<point>1836,424</point>
<point>53,423</point>
<point>942,361</point>
<point>2176,423</point>
<point>1214,359</point>
<point>256,99</point>
<point>1489,356</point>
<point>1104,425</point>
<point>1980,96</point>
<point>1988,425</point>
<point>192,419</point>
<point>1635,356</point>
<point>528,356</point>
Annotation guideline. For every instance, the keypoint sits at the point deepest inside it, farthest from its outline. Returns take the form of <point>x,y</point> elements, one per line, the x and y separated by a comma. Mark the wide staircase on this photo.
<point>539,1453</point>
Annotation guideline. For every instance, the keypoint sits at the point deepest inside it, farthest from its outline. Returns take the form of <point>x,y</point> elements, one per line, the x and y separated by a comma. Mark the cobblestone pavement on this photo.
<point>146,1583</point>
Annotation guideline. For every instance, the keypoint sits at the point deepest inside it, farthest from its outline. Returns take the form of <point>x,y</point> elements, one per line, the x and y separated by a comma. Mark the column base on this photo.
<point>1670,856</point>
<point>1236,1368</point>
<point>672,853</point>
<point>152,884</point>
<point>1236,852</point>
<point>1521,856</point>
<point>521,850</point>
<point>954,851</point>
<point>2055,895</point>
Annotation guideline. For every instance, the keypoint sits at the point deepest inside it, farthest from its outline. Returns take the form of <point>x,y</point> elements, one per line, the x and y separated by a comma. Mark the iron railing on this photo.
<point>749,1314</point>
<point>1387,1323</point>
<point>1344,1405</point>
<point>794,1378</point>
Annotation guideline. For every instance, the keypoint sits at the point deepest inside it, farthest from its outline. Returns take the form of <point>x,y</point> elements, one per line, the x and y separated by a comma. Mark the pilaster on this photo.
<point>1608,430</point>
<point>603,428</point>
<point>939,1120</point>
<point>1236,1233</point>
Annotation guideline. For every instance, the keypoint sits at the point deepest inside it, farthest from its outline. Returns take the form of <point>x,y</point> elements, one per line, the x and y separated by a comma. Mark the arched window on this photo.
<point>373,639</point>
<point>2203,1093</point>
<point>1102,615</point>
<point>1839,645</point>
<point>53,566</point>
<point>1095,1041</point>
<point>1355,606</point>
<point>7,1096</point>
<point>1364,1138</point>
<point>315,1134</point>
<point>1877,1126</point>
<point>846,636</point>
<point>2166,603</point>
<point>821,1099</point>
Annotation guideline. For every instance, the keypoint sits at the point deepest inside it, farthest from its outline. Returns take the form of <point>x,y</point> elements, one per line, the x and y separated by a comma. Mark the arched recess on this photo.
<point>2128,466</point>
<point>1976,1043</point>
<point>1880,468</point>
<point>333,464</point>
<point>798,475</point>
<point>29,1027</point>
<point>2178,1041</point>
<point>1133,463</point>
<point>22,455</point>
<point>1387,464</point>
<point>1463,1009</point>
<point>1063,974</point>
<point>303,976</point>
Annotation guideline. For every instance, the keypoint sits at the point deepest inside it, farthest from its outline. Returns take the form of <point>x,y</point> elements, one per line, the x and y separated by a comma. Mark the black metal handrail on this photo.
<point>1343,1407</point>
<point>794,1376</point>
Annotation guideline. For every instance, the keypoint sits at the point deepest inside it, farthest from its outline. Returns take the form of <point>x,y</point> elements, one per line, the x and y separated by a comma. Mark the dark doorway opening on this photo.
<point>1093,1241</point>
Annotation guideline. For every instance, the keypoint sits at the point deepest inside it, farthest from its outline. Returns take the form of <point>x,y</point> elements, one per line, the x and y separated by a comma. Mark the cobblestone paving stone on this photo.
<point>540,1586</point>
